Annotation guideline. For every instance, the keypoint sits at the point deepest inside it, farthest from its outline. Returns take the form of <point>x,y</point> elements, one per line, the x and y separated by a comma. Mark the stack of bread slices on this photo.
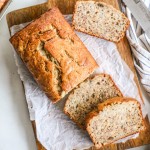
<point>98,106</point>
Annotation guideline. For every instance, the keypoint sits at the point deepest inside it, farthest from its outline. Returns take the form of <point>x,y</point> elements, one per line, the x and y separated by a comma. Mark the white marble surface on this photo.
<point>15,127</point>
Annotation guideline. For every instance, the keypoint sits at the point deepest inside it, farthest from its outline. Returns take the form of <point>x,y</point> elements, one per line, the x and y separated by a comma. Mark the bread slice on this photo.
<point>100,19</point>
<point>115,119</point>
<point>84,98</point>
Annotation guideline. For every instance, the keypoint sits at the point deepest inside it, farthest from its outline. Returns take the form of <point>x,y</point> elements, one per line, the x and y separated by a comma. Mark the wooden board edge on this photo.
<point>11,21</point>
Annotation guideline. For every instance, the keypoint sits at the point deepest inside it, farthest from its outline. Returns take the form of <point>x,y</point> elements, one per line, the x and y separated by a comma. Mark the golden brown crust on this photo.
<point>54,54</point>
<point>101,106</point>
<point>90,33</point>
<point>67,101</point>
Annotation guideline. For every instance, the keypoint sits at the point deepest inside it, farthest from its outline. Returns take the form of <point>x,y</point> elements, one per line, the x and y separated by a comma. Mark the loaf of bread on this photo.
<point>100,19</point>
<point>115,119</point>
<point>54,54</point>
<point>84,98</point>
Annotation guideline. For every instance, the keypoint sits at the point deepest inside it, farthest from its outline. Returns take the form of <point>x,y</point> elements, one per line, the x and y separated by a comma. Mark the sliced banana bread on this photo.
<point>115,119</point>
<point>100,19</point>
<point>84,98</point>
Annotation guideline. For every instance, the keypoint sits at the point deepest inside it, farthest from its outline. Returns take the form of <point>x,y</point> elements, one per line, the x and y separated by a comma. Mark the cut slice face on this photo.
<point>100,19</point>
<point>115,119</point>
<point>87,95</point>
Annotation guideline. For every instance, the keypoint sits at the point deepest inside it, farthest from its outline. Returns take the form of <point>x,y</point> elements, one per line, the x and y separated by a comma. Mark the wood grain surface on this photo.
<point>67,6</point>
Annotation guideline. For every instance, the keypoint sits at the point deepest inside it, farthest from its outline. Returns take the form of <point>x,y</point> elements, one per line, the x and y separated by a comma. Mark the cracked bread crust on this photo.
<point>109,103</point>
<point>53,53</point>
<point>100,19</point>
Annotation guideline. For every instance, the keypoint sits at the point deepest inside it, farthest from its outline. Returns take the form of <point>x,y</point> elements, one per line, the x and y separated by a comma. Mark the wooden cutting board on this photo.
<point>66,6</point>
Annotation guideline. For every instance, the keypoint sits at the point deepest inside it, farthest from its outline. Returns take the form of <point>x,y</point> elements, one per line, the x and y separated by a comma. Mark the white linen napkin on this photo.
<point>140,46</point>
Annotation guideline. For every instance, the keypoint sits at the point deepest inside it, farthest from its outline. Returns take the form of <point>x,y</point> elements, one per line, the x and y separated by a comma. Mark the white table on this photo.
<point>15,127</point>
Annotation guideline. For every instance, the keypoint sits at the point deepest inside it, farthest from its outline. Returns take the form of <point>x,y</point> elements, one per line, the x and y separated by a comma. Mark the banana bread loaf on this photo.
<point>54,54</point>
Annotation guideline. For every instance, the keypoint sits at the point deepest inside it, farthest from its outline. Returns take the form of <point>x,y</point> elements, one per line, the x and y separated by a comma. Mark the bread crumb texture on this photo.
<point>100,19</point>
<point>87,95</point>
<point>115,121</point>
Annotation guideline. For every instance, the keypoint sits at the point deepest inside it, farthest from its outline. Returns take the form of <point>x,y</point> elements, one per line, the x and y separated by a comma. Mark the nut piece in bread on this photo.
<point>54,54</point>
<point>115,119</point>
<point>100,19</point>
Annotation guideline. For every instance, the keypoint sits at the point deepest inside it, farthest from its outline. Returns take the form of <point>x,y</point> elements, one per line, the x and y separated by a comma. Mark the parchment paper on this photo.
<point>54,129</point>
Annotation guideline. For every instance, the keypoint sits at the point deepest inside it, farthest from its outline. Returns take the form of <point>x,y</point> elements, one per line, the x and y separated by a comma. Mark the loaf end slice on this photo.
<point>84,98</point>
<point>115,119</point>
<point>100,19</point>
